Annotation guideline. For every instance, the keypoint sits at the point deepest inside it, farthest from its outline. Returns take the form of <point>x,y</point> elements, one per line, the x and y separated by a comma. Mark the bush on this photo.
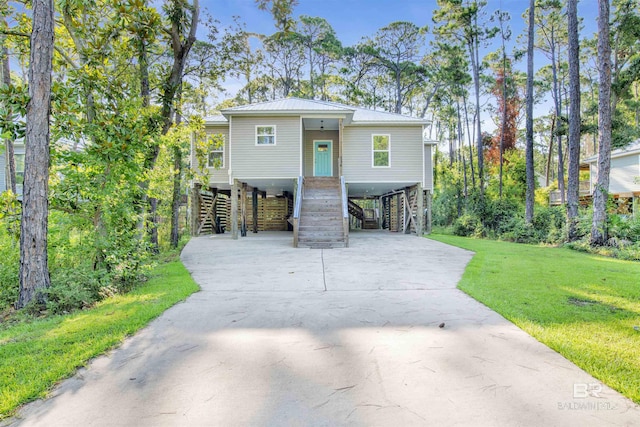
<point>550,223</point>
<point>624,227</point>
<point>64,297</point>
<point>520,232</point>
<point>467,225</point>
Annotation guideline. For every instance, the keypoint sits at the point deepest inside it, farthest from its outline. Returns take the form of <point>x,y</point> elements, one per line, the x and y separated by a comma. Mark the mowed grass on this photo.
<point>34,356</point>
<point>583,306</point>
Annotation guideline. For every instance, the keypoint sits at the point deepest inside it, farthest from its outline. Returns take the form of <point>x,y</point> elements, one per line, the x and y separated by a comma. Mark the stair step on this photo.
<point>329,195</point>
<point>320,216</point>
<point>325,239</point>
<point>322,245</point>
<point>321,222</point>
<point>321,202</point>
<point>317,180</point>
<point>324,227</point>
<point>317,236</point>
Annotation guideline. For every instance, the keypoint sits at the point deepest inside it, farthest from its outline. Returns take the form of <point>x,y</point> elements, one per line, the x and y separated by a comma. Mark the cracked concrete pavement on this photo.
<point>283,336</point>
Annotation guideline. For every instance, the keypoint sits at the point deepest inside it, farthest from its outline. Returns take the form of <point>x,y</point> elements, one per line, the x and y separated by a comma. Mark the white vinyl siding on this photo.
<point>381,150</point>
<point>407,154</point>
<point>273,161</point>
<point>428,168</point>
<point>316,135</point>
<point>265,135</point>
<point>624,174</point>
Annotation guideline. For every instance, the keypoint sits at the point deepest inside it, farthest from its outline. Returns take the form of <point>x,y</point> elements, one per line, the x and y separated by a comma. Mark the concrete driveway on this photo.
<point>297,337</point>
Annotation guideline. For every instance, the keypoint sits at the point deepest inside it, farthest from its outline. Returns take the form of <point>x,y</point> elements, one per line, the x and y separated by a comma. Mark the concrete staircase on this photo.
<point>321,223</point>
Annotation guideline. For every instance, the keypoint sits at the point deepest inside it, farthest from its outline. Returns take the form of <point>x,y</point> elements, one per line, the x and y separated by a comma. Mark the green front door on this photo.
<point>322,154</point>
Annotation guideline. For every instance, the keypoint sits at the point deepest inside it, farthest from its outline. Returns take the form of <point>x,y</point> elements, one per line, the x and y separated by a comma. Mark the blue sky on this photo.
<point>353,19</point>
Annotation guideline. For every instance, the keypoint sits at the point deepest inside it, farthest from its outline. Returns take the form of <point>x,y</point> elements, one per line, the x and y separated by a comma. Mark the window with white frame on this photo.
<point>19,162</point>
<point>216,155</point>
<point>381,151</point>
<point>266,135</point>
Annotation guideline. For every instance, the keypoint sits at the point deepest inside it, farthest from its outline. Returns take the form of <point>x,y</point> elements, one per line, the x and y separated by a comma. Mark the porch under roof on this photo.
<point>360,190</point>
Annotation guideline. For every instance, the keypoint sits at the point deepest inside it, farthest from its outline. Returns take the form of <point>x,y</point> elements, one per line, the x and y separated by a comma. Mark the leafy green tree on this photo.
<point>315,35</point>
<point>395,49</point>
<point>552,29</point>
<point>285,61</point>
<point>282,11</point>
<point>625,70</point>
<point>460,20</point>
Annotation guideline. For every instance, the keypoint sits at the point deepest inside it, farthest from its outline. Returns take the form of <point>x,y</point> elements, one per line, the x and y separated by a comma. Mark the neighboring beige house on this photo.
<point>624,178</point>
<point>4,168</point>
<point>316,156</point>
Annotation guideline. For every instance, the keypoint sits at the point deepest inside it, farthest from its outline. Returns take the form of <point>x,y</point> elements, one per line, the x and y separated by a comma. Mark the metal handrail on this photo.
<point>298,206</point>
<point>345,203</point>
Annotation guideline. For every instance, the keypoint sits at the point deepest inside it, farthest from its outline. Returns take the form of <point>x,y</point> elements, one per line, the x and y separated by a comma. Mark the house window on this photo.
<point>266,135</point>
<point>381,151</point>
<point>19,159</point>
<point>216,155</point>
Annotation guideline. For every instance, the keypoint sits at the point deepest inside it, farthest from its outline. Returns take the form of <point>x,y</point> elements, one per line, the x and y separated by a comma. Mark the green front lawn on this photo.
<point>35,355</point>
<point>583,306</point>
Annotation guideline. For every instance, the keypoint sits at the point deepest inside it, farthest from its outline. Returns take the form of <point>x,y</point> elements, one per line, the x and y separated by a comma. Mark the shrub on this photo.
<point>467,225</point>
<point>520,232</point>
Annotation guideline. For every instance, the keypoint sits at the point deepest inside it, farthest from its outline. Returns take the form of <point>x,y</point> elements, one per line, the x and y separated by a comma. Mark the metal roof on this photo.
<point>290,104</point>
<point>369,116</point>
<point>297,105</point>
<point>633,148</point>
<point>215,120</point>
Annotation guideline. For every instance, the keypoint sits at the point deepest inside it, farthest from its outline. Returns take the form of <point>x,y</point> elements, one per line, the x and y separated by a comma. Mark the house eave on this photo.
<point>389,123</point>
<point>284,113</point>
<point>216,124</point>
<point>594,159</point>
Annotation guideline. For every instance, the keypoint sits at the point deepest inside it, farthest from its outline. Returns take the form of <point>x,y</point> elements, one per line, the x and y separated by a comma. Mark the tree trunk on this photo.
<point>175,204</point>
<point>10,154</point>
<point>558,113</point>
<point>476,82</point>
<point>145,94</point>
<point>600,195</point>
<point>311,83</point>
<point>398,108</point>
<point>573,190</point>
<point>171,86</point>
<point>34,269</point>
<point>469,137</point>
<point>504,112</point>
<point>461,145</point>
<point>530,193</point>
<point>550,151</point>
<point>177,179</point>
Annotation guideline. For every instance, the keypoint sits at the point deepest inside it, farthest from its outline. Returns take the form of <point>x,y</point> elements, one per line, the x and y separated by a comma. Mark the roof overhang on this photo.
<point>397,123</point>
<point>281,113</point>
<point>216,124</point>
<point>614,155</point>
